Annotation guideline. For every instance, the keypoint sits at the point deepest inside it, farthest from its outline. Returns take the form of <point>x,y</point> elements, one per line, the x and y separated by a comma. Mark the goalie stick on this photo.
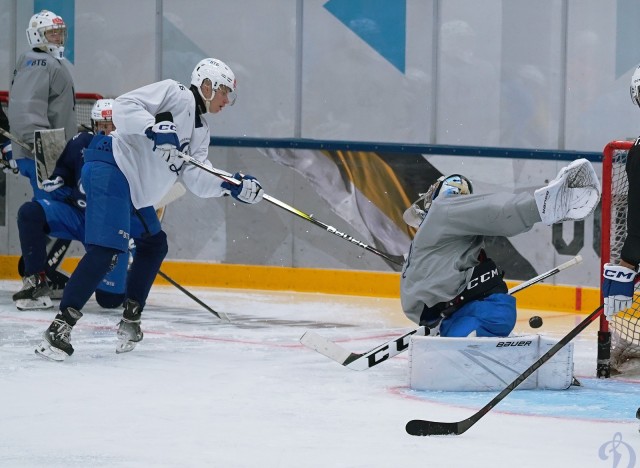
<point>396,259</point>
<point>373,357</point>
<point>420,427</point>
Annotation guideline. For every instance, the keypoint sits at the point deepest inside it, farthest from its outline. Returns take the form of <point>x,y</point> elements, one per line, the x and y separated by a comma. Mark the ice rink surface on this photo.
<point>200,393</point>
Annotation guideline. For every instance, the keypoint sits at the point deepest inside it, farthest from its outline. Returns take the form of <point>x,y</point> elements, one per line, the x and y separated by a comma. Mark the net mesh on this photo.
<point>625,327</point>
<point>84,103</point>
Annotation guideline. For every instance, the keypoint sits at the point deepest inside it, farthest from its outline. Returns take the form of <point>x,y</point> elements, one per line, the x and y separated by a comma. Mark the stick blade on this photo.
<point>326,347</point>
<point>420,427</point>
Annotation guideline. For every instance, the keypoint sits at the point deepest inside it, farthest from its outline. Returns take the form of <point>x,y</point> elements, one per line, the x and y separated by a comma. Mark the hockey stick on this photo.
<point>397,259</point>
<point>220,315</point>
<point>373,357</point>
<point>176,192</point>
<point>420,427</point>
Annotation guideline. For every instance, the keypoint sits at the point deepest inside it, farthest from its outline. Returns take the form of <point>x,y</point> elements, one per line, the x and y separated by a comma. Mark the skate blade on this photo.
<point>45,350</point>
<point>124,346</point>
<point>41,303</point>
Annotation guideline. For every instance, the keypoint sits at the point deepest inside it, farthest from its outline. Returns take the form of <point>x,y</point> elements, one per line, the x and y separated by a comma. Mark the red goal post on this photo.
<point>618,340</point>
<point>84,103</point>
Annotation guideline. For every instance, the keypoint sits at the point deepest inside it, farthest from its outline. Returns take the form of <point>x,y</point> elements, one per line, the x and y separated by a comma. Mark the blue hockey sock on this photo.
<point>87,276</point>
<point>32,224</point>
<point>149,254</point>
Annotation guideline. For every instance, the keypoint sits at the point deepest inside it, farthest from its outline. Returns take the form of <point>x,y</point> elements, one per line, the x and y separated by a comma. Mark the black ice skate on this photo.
<point>56,344</point>
<point>129,332</point>
<point>57,281</point>
<point>35,294</point>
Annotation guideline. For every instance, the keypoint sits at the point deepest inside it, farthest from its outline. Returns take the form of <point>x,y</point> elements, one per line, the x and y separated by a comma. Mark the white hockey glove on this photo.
<point>250,191</point>
<point>571,196</point>
<point>165,140</point>
<point>8,163</point>
<point>617,289</point>
<point>49,185</point>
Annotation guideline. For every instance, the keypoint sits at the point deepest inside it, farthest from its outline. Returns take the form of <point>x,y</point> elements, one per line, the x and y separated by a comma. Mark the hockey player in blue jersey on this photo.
<point>62,215</point>
<point>130,171</point>
<point>448,273</point>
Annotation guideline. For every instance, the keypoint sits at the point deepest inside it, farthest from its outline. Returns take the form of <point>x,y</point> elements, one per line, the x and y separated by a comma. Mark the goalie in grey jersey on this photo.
<point>447,268</point>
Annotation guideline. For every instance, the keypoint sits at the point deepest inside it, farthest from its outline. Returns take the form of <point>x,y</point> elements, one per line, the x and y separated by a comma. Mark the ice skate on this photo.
<point>57,281</point>
<point>56,344</point>
<point>129,332</point>
<point>35,294</point>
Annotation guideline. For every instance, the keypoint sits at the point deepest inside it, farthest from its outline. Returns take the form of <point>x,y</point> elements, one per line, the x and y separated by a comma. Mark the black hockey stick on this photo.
<point>420,427</point>
<point>373,357</point>
<point>397,259</point>
<point>176,192</point>
<point>220,315</point>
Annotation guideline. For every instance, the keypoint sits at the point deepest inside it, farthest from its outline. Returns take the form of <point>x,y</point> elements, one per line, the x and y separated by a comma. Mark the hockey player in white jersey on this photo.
<point>448,273</point>
<point>131,170</point>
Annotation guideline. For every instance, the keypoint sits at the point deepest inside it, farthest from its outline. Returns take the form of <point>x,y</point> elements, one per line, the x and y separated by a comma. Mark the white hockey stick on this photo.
<point>397,259</point>
<point>373,357</point>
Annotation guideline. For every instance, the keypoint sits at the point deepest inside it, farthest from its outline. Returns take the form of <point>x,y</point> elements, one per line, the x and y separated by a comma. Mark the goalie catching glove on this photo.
<point>571,196</point>
<point>249,191</point>
<point>617,289</point>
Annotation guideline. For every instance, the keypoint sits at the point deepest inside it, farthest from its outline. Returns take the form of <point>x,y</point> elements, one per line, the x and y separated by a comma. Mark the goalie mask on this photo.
<point>455,184</point>
<point>101,116</point>
<point>47,22</point>
<point>635,87</point>
<point>219,74</point>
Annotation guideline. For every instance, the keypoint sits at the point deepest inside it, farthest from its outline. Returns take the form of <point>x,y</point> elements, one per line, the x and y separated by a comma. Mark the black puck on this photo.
<point>535,322</point>
<point>638,413</point>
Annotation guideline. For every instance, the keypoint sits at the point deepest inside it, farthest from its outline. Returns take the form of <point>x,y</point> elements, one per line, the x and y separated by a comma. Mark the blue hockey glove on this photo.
<point>250,191</point>
<point>8,163</point>
<point>165,140</point>
<point>49,185</point>
<point>617,289</point>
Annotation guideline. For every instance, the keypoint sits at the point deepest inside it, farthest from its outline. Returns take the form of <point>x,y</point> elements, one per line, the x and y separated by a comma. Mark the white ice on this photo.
<point>199,393</point>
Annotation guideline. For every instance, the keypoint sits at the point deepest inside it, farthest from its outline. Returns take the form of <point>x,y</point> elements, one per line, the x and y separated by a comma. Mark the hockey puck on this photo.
<point>535,322</point>
<point>638,413</point>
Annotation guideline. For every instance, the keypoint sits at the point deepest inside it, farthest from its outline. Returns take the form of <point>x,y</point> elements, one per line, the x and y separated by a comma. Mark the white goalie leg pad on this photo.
<point>571,196</point>
<point>486,364</point>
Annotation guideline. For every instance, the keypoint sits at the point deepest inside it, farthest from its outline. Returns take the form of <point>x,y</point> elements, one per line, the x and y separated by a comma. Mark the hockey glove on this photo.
<point>49,185</point>
<point>250,191</point>
<point>617,289</point>
<point>165,140</point>
<point>8,163</point>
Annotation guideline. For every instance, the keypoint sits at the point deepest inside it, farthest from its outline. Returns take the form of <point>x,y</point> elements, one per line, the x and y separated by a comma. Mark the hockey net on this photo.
<point>624,329</point>
<point>84,103</point>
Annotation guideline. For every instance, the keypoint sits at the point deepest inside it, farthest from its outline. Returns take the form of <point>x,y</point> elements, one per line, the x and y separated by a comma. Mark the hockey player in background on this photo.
<point>42,95</point>
<point>62,216</point>
<point>618,283</point>
<point>448,273</point>
<point>131,170</point>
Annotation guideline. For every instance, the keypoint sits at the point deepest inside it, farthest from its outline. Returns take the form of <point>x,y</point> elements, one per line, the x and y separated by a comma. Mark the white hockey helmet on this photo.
<point>41,23</point>
<point>102,111</point>
<point>454,184</point>
<point>635,86</point>
<point>219,74</point>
